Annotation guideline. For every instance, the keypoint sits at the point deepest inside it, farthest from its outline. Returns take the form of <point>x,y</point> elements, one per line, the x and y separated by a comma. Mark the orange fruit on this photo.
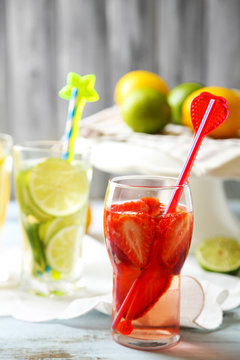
<point>138,79</point>
<point>231,127</point>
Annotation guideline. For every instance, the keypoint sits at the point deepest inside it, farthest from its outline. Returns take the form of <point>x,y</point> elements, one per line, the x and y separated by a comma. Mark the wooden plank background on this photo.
<point>41,41</point>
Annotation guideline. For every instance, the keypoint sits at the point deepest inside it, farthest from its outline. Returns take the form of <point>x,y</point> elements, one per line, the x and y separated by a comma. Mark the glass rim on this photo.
<point>6,137</point>
<point>115,180</point>
<point>47,145</point>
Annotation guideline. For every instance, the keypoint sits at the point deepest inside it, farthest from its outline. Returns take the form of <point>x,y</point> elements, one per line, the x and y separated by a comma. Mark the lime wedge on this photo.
<point>219,254</point>
<point>58,188</point>
<point>63,249</point>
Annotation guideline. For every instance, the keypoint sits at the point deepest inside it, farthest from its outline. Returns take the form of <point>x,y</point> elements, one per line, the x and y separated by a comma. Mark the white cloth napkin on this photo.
<point>118,149</point>
<point>204,296</point>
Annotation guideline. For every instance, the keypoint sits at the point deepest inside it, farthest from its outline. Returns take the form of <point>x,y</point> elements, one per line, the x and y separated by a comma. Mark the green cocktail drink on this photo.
<point>53,199</point>
<point>52,186</point>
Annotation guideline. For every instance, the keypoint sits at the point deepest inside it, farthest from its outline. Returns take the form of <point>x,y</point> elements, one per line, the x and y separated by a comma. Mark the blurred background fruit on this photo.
<point>146,110</point>
<point>231,127</point>
<point>177,96</point>
<point>138,79</point>
<point>89,218</point>
<point>147,104</point>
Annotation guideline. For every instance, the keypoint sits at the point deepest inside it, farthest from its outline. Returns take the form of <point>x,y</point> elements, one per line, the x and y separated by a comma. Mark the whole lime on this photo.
<point>177,96</point>
<point>146,110</point>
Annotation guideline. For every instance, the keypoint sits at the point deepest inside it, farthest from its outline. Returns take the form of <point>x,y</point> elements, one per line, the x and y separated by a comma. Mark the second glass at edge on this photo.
<point>53,197</point>
<point>6,143</point>
<point>144,243</point>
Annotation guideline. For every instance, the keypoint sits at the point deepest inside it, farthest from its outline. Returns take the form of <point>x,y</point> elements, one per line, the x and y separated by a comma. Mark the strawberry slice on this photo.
<point>122,281</point>
<point>155,207</point>
<point>138,206</point>
<point>148,288</point>
<point>118,256</point>
<point>176,233</point>
<point>149,205</point>
<point>132,234</point>
<point>154,282</point>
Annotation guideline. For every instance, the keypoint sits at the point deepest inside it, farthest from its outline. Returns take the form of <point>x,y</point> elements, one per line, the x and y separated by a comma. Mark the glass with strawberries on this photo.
<point>147,246</point>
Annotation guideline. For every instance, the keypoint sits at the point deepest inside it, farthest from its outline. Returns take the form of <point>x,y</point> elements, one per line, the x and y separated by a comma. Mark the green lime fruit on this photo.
<point>219,254</point>
<point>58,188</point>
<point>177,96</point>
<point>62,250</point>
<point>146,110</point>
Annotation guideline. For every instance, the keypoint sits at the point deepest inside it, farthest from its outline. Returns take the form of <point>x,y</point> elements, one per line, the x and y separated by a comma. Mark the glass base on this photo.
<point>50,284</point>
<point>161,341</point>
<point>48,288</point>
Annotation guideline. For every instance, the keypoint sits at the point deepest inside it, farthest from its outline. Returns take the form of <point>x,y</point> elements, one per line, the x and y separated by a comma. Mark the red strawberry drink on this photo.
<point>147,249</point>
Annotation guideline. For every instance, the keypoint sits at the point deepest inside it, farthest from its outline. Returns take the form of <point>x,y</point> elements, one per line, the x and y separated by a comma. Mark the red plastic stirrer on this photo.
<point>207,112</point>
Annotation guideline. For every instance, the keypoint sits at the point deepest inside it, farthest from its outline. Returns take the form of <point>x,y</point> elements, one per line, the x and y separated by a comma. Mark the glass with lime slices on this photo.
<point>52,195</point>
<point>5,171</point>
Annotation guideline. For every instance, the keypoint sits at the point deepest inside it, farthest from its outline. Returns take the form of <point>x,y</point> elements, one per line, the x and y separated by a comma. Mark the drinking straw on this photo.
<point>68,138</point>
<point>183,177</point>
<point>207,113</point>
<point>79,90</point>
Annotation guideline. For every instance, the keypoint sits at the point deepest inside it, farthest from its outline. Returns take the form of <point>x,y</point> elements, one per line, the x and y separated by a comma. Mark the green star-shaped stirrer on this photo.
<point>79,90</point>
<point>84,84</point>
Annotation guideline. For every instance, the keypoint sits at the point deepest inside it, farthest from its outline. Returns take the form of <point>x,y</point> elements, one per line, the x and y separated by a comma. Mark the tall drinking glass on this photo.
<point>147,248</point>
<point>52,195</point>
<point>5,174</point>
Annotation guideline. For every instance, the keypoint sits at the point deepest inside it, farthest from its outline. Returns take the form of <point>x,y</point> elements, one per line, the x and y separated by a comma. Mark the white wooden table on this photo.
<point>89,336</point>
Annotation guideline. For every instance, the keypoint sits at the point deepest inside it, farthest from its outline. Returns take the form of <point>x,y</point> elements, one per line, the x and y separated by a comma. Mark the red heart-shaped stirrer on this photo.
<point>207,112</point>
<point>217,114</point>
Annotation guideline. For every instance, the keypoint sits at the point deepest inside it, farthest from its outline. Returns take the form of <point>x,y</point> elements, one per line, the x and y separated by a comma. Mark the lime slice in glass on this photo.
<point>58,188</point>
<point>26,202</point>
<point>62,249</point>
<point>51,227</point>
<point>219,254</point>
